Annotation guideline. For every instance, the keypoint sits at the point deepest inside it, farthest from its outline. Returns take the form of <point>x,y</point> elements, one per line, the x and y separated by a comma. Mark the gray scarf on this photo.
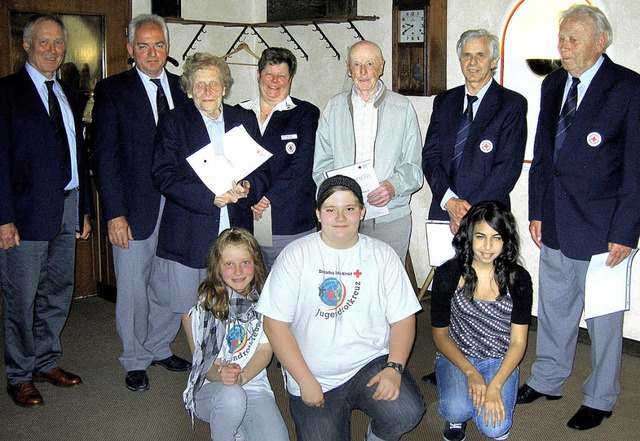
<point>241,310</point>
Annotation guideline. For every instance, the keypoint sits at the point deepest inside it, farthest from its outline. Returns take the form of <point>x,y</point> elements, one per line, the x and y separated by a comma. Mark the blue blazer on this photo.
<point>32,179</point>
<point>190,220</point>
<point>286,178</point>
<point>483,174</point>
<point>591,195</point>
<point>122,132</point>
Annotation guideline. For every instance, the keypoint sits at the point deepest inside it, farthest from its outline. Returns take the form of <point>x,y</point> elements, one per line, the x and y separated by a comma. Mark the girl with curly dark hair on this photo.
<point>480,314</point>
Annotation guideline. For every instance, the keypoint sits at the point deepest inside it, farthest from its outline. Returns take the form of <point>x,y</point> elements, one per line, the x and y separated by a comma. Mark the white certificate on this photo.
<point>242,155</point>
<point>439,238</point>
<point>364,174</point>
<point>607,289</point>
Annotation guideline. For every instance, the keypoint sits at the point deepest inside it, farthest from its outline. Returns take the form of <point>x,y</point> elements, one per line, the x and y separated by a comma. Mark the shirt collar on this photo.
<point>254,104</point>
<point>481,93</point>
<point>218,120</point>
<point>373,98</point>
<point>162,77</point>
<point>587,75</point>
<point>37,78</point>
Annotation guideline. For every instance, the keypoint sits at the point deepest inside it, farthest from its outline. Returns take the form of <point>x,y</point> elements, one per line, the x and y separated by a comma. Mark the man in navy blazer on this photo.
<point>584,199</point>
<point>45,202</point>
<point>493,151</point>
<point>124,120</point>
<point>286,127</point>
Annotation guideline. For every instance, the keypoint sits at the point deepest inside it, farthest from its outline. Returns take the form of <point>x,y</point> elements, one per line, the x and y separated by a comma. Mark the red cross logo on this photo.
<point>357,273</point>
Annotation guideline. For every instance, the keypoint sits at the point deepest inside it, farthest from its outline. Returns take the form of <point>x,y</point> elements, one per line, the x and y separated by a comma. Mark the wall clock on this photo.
<point>411,26</point>
<point>419,46</point>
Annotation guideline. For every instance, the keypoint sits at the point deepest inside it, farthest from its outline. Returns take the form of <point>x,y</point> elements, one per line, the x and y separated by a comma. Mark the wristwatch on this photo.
<point>398,367</point>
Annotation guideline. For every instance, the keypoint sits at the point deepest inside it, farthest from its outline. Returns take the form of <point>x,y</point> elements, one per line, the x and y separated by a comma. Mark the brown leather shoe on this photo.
<point>58,377</point>
<point>25,394</point>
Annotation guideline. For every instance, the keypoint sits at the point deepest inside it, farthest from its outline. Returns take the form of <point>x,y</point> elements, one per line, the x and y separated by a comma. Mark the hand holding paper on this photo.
<point>242,155</point>
<point>607,289</point>
<point>364,174</point>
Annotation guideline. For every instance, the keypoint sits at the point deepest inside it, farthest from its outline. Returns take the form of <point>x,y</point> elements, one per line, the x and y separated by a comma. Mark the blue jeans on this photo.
<point>389,419</point>
<point>456,406</point>
<point>231,410</point>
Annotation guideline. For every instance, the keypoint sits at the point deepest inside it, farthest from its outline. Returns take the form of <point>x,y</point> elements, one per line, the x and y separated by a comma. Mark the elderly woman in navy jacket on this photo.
<point>193,216</point>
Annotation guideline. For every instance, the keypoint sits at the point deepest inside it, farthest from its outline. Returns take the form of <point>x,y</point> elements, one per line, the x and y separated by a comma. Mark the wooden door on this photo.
<point>92,17</point>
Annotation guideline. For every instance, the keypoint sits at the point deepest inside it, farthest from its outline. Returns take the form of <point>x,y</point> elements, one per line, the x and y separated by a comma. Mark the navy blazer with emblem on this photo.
<point>590,196</point>
<point>493,154</point>
<point>32,177</point>
<point>286,178</point>
<point>190,219</point>
<point>123,129</point>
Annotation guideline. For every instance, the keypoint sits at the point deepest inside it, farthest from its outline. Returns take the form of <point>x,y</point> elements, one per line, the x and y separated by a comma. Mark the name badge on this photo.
<point>287,137</point>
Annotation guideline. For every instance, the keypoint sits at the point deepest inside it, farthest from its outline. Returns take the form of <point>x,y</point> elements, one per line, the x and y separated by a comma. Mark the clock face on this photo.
<point>412,26</point>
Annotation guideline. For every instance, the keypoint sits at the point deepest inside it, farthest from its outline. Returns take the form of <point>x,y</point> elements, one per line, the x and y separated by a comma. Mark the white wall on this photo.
<point>324,75</point>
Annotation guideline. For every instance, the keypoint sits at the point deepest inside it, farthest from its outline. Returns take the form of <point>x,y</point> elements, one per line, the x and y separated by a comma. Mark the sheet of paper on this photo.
<point>607,289</point>
<point>242,155</point>
<point>364,174</point>
<point>439,239</point>
<point>262,229</point>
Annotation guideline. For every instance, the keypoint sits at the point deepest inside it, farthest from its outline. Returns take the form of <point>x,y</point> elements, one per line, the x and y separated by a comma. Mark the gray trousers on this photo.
<point>144,319</point>
<point>278,243</point>
<point>37,287</point>
<point>560,306</point>
<point>395,233</point>
<point>234,412</point>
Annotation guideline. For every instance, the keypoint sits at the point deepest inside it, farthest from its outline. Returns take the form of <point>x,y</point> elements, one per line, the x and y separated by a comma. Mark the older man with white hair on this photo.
<point>370,122</point>
<point>584,194</point>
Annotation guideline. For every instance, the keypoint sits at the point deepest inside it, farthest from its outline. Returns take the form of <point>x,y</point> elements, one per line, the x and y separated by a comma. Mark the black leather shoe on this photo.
<point>430,379</point>
<point>173,363</point>
<point>137,381</point>
<point>527,394</point>
<point>587,418</point>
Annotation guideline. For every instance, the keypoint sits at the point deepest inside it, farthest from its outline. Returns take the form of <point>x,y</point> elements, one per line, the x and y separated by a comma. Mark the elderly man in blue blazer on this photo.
<point>584,199</point>
<point>486,163</point>
<point>45,202</point>
<point>125,114</point>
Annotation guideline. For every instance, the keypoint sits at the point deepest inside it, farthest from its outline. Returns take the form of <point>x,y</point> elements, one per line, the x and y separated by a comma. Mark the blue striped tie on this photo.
<point>461,137</point>
<point>566,115</point>
<point>161,99</point>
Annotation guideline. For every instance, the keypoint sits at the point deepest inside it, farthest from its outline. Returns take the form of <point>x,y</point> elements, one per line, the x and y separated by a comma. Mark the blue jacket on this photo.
<point>122,132</point>
<point>591,195</point>
<point>285,179</point>
<point>190,220</point>
<point>483,174</point>
<point>32,179</point>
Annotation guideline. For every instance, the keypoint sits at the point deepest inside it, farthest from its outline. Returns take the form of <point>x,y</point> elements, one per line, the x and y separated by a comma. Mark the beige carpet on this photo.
<point>103,409</point>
